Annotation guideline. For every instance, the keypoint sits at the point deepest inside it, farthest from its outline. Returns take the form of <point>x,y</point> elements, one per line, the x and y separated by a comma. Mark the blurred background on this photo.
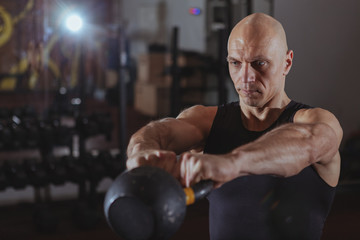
<point>77,78</point>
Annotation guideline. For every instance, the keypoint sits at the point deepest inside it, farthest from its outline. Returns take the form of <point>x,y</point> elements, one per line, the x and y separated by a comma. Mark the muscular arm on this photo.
<point>313,138</point>
<point>166,134</point>
<point>158,142</point>
<point>288,149</point>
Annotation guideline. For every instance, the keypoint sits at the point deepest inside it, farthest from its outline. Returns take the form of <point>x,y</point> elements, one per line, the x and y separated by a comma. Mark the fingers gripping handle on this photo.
<point>198,191</point>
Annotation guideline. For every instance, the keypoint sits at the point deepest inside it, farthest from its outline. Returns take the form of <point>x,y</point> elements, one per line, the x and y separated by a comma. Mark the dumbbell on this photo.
<point>148,203</point>
<point>104,123</point>
<point>76,172</point>
<point>5,137</point>
<point>85,213</point>
<point>15,174</point>
<point>111,164</point>
<point>95,169</point>
<point>4,183</point>
<point>18,136</point>
<point>86,126</point>
<point>18,112</point>
<point>52,130</point>
<point>63,136</point>
<point>29,112</point>
<point>36,172</point>
<point>47,137</point>
<point>32,137</point>
<point>56,171</point>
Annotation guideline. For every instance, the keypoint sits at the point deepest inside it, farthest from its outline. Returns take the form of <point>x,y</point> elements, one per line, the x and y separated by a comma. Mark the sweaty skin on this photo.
<point>259,61</point>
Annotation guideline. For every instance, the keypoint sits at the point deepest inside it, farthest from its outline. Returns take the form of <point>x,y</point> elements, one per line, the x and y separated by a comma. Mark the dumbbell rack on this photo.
<point>21,129</point>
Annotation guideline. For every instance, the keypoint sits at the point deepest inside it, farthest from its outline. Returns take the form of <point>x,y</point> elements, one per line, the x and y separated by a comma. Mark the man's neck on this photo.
<point>260,118</point>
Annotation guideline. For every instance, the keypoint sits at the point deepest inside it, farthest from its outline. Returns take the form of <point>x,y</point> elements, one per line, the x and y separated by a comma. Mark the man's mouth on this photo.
<point>249,91</point>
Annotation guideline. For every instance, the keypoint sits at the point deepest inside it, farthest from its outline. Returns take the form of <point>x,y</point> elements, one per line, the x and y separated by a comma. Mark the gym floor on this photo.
<point>16,221</point>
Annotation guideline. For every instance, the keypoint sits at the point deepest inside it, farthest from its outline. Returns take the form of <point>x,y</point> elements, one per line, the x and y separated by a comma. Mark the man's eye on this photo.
<point>260,63</point>
<point>235,63</point>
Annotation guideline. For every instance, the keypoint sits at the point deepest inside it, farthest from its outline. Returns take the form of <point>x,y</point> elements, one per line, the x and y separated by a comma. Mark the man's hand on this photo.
<point>157,143</point>
<point>158,158</point>
<point>195,167</point>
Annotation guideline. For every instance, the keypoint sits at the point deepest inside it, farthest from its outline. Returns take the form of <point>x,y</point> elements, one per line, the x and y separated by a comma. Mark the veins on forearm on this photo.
<point>286,150</point>
<point>151,136</point>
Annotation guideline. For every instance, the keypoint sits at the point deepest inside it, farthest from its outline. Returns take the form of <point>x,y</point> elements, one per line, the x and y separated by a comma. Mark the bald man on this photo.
<point>275,161</point>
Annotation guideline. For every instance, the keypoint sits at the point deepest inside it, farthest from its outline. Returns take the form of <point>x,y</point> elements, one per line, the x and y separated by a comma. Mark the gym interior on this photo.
<point>78,78</point>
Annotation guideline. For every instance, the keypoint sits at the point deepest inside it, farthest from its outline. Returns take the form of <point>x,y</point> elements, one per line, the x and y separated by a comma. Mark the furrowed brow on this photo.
<point>259,57</point>
<point>229,59</point>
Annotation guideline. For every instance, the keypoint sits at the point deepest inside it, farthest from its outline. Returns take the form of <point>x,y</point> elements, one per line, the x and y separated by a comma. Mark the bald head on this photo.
<point>259,60</point>
<point>259,27</point>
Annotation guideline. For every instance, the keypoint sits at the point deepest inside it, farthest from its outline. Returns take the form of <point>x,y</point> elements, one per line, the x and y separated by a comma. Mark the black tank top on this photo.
<point>263,206</point>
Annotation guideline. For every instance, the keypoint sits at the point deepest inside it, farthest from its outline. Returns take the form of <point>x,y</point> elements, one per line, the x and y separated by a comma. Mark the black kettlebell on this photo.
<point>149,203</point>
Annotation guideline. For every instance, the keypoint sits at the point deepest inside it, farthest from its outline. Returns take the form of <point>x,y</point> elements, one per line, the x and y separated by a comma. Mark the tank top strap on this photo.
<point>290,111</point>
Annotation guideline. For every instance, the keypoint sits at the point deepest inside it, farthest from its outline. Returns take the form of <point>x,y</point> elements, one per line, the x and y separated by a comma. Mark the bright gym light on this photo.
<point>74,23</point>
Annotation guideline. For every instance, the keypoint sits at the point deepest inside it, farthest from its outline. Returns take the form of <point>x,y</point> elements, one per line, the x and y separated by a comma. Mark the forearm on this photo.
<point>151,136</point>
<point>286,150</point>
<point>167,134</point>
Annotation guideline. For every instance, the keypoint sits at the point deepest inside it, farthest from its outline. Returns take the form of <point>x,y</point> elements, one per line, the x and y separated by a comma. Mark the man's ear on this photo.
<point>288,61</point>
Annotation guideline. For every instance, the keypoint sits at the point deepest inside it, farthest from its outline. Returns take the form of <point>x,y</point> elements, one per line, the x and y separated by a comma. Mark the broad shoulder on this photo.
<point>199,116</point>
<point>198,111</point>
<point>313,115</point>
<point>319,116</point>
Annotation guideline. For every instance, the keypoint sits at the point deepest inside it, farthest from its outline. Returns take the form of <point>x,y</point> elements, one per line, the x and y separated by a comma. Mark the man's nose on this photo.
<point>247,73</point>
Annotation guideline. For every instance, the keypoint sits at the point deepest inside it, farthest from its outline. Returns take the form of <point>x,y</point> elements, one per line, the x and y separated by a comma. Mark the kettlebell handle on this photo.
<point>198,191</point>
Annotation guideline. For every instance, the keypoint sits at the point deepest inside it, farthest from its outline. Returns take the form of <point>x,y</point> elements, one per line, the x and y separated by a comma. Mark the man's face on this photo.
<point>257,67</point>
